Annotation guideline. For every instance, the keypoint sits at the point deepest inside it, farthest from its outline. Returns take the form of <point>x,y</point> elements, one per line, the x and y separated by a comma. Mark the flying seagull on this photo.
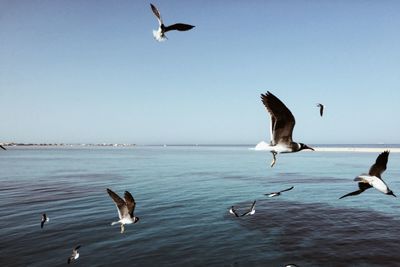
<point>233,211</point>
<point>74,255</point>
<point>282,124</point>
<point>321,109</point>
<point>2,147</point>
<point>373,178</point>
<point>44,220</point>
<point>159,35</point>
<point>125,209</point>
<point>274,194</point>
<point>251,211</point>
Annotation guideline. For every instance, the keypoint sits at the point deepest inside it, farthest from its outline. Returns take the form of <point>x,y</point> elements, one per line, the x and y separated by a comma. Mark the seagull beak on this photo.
<point>307,147</point>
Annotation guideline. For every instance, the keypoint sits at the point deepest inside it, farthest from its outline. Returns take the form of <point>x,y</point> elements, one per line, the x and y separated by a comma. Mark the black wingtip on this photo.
<point>266,94</point>
<point>110,192</point>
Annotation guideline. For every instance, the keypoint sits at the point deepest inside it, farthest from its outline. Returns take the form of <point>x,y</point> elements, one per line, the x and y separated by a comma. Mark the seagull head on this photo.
<point>304,146</point>
<point>391,193</point>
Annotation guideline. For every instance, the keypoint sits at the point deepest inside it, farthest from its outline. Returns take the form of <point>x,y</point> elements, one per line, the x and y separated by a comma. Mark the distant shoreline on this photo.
<point>64,145</point>
<point>357,148</point>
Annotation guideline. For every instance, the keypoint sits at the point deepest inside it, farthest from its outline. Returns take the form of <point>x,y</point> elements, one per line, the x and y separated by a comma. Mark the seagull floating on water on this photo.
<point>125,209</point>
<point>2,147</point>
<point>321,109</point>
<point>282,124</point>
<point>233,211</point>
<point>373,178</point>
<point>274,194</point>
<point>44,220</point>
<point>159,35</point>
<point>74,255</point>
<point>251,211</point>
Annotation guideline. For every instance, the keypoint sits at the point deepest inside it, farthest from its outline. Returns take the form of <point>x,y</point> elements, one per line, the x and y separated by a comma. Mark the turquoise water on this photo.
<point>183,195</point>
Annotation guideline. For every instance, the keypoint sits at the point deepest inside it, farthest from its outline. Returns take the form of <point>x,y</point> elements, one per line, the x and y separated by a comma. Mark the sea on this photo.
<point>183,195</point>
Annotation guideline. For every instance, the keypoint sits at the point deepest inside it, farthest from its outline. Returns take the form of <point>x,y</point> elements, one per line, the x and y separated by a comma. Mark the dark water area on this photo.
<point>183,196</point>
<point>321,235</point>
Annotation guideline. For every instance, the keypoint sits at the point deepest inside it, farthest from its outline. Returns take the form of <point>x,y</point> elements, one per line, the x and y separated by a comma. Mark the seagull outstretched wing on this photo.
<point>157,13</point>
<point>282,120</point>
<point>120,203</point>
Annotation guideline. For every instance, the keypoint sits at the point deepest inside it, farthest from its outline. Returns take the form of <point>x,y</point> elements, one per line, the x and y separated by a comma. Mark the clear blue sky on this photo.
<point>90,71</point>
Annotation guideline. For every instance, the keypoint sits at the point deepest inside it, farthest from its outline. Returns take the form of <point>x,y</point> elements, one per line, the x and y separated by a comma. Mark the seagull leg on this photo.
<point>273,158</point>
<point>122,228</point>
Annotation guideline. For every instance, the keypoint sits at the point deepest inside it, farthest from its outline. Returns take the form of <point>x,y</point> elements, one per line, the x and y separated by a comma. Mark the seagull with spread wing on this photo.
<point>275,194</point>
<point>282,124</point>
<point>373,178</point>
<point>44,220</point>
<point>125,209</point>
<point>321,109</point>
<point>159,35</point>
<point>75,255</point>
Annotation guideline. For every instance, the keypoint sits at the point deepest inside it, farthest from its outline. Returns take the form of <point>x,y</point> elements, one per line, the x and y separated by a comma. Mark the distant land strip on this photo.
<point>357,149</point>
<point>65,145</point>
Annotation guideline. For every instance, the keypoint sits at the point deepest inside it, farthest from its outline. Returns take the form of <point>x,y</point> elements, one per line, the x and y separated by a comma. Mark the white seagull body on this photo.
<point>159,34</point>
<point>125,209</point>
<point>374,181</point>
<point>281,129</point>
<point>373,178</point>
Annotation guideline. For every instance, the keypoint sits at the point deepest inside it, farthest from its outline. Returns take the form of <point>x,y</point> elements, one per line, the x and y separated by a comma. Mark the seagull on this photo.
<point>159,35</point>
<point>251,211</point>
<point>44,220</point>
<point>373,178</point>
<point>2,147</point>
<point>125,209</point>
<point>321,109</point>
<point>274,194</point>
<point>282,124</point>
<point>233,211</point>
<point>74,255</point>
<point>291,265</point>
